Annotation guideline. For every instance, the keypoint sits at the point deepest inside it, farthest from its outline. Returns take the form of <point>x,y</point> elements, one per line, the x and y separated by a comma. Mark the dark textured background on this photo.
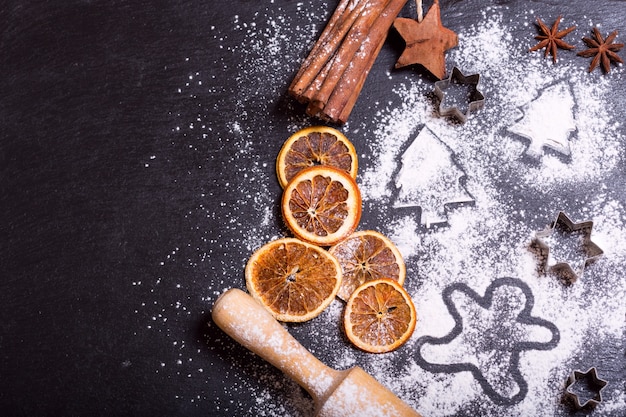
<point>88,95</point>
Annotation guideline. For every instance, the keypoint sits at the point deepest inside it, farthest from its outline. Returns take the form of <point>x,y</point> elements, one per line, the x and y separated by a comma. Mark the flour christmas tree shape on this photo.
<point>429,178</point>
<point>547,121</point>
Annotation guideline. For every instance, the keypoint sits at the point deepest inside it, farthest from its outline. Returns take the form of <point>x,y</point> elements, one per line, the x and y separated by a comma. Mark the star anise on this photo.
<point>551,38</point>
<point>602,50</point>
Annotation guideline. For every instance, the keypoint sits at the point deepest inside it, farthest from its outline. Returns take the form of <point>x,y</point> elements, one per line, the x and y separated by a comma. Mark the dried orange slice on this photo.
<point>366,256</point>
<point>322,205</point>
<point>316,145</point>
<point>294,280</point>
<point>379,316</point>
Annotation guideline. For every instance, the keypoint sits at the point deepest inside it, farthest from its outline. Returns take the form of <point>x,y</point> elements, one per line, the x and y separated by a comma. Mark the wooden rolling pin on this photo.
<point>336,393</point>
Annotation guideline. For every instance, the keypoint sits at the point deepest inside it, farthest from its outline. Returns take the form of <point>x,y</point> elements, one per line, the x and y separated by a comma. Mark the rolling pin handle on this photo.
<point>249,323</point>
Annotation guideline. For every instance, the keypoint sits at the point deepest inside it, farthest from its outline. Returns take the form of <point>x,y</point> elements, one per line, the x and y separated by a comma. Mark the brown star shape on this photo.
<point>602,50</point>
<point>426,41</point>
<point>551,39</point>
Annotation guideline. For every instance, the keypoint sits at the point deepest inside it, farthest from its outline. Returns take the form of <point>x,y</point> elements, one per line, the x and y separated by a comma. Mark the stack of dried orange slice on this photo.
<point>379,315</point>
<point>321,201</point>
<point>297,278</point>
<point>366,256</point>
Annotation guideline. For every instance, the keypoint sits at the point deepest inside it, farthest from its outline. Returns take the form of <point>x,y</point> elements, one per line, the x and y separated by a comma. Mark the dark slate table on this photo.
<point>136,178</point>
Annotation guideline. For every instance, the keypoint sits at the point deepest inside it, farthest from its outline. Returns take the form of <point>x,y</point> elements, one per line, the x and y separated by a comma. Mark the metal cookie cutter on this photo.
<point>586,385</point>
<point>472,98</point>
<point>563,270</point>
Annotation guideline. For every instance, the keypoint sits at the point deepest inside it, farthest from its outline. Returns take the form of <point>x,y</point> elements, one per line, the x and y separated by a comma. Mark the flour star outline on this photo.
<point>512,335</point>
<point>426,41</point>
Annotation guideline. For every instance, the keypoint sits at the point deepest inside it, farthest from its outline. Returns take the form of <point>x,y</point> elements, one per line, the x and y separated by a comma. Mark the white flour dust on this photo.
<point>489,239</point>
<point>462,220</point>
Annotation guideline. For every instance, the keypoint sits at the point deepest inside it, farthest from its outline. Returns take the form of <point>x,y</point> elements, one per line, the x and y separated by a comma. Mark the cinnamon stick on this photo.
<point>332,76</point>
<point>312,89</point>
<point>343,99</point>
<point>341,21</point>
<point>345,55</point>
<point>316,82</point>
<point>335,19</point>
<point>348,104</point>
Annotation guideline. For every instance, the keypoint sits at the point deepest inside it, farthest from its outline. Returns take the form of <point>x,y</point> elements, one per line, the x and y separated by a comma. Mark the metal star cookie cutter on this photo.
<point>563,270</point>
<point>474,98</point>
<point>592,383</point>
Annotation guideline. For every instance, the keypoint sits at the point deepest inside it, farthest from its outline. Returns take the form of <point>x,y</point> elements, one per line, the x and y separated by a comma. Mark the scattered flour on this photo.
<point>489,240</point>
<point>494,185</point>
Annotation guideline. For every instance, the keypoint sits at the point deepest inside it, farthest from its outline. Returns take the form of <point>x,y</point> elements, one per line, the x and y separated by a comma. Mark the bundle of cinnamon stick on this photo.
<point>331,78</point>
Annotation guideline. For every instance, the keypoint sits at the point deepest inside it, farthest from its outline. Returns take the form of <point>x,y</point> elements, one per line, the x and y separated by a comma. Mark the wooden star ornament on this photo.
<point>426,41</point>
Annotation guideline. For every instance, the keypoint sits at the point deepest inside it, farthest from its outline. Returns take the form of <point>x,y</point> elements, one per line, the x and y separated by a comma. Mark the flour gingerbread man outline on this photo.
<point>499,328</point>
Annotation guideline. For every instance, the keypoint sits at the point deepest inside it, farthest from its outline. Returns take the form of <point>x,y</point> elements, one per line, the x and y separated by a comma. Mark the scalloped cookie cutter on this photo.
<point>475,99</point>
<point>592,388</point>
